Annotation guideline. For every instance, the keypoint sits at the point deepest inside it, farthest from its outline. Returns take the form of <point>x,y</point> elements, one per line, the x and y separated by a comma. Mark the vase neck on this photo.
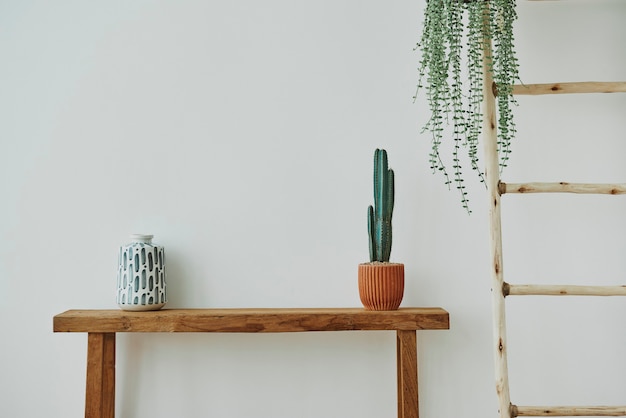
<point>146,239</point>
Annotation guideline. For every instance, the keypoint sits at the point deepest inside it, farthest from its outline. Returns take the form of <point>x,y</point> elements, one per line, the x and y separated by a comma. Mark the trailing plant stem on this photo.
<point>449,25</point>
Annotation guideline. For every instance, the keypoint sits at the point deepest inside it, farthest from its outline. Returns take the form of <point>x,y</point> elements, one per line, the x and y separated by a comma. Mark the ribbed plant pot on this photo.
<point>381,285</point>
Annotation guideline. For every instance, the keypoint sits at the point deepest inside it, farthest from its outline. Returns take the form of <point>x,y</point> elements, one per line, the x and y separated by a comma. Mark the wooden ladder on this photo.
<point>501,289</point>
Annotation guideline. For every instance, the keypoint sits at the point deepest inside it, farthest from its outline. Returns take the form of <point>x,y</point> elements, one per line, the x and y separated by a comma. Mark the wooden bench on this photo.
<point>102,325</point>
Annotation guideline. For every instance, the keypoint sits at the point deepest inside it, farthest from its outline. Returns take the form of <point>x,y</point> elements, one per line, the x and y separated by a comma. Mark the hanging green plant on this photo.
<point>455,96</point>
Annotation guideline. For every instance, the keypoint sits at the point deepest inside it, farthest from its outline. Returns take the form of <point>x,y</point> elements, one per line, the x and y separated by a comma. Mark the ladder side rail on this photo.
<point>492,174</point>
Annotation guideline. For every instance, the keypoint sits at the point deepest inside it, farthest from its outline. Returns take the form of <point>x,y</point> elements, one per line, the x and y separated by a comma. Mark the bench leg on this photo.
<point>100,387</point>
<point>408,403</point>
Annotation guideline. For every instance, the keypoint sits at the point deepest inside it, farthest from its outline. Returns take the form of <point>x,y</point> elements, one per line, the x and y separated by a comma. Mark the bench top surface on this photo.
<point>250,320</point>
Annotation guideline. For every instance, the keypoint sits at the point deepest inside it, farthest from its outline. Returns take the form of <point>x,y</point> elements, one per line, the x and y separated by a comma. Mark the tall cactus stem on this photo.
<point>379,228</point>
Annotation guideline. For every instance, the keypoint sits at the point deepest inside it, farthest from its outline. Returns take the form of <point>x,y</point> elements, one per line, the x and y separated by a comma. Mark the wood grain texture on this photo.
<point>569,411</point>
<point>250,320</point>
<point>492,174</point>
<point>408,398</point>
<point>563,187</point>
<point>100,384</point>
<point>562,290</point>
<point>570,88</point>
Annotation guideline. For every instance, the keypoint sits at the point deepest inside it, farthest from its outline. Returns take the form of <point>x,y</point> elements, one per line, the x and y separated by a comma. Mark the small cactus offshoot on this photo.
<point>379,215</point>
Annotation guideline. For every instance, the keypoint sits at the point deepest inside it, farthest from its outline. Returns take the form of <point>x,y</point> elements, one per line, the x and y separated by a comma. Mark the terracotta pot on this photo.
<point>381,285</point>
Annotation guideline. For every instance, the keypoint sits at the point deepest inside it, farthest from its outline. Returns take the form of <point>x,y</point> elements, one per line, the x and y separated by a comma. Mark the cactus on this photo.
<point>379,215</point>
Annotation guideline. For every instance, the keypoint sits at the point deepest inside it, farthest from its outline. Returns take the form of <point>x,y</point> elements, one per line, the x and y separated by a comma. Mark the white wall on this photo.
<point>240,134</point>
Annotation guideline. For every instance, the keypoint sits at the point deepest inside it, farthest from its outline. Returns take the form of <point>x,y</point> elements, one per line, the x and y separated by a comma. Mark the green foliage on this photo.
<point>455,103</point>
<point>379,215</point>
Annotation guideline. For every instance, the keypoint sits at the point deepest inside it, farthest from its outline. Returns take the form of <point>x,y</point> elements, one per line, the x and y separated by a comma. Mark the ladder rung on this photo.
<point>568,411</point>
<point>574,87</point>
<point>562,290</point>
<point>562,187</point>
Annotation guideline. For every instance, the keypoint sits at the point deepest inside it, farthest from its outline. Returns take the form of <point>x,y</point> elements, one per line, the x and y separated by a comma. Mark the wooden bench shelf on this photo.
<point>102,325</point>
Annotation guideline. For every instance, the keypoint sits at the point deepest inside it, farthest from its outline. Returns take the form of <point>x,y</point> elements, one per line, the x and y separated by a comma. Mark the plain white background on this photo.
<point>240,134</point>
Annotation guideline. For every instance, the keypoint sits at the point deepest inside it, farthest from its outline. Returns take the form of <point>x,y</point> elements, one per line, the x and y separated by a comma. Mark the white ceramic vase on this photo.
<point>141,275</point>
